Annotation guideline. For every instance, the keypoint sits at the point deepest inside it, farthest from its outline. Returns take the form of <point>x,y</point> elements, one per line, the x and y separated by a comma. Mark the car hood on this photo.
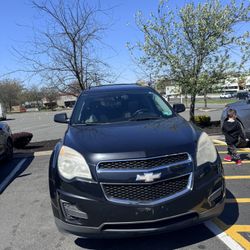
<point>135,139</point>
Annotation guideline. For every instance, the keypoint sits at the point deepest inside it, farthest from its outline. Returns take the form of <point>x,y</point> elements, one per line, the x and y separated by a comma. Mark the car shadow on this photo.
<point>33,147</point>
<point>230,213</point>
<point>37,146</point>
<point>171,240</point>
<point>13,169</point>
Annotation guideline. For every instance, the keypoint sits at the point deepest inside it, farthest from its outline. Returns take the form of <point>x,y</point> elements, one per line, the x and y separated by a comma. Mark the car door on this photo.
<point>244,116</point>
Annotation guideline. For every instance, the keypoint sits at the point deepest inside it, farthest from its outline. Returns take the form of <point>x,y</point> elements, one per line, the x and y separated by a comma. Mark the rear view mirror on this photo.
<point>179,107</point>
<point>61,118</point>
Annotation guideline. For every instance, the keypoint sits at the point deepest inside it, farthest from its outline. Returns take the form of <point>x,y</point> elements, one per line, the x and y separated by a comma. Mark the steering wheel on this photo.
<point>140,111</point>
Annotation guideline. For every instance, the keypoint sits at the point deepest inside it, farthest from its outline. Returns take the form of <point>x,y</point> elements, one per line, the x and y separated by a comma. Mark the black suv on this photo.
<point>129,164</point>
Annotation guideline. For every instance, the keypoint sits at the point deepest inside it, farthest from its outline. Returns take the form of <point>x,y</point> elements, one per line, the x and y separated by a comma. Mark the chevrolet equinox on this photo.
<point>129,164</point>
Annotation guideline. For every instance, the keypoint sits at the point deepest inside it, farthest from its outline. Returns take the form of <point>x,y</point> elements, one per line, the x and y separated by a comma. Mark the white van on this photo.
<point>2,112</point>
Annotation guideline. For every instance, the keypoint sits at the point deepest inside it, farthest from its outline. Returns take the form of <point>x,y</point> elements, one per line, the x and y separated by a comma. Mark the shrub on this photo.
<point>20,140</point>
<point>202,120</point>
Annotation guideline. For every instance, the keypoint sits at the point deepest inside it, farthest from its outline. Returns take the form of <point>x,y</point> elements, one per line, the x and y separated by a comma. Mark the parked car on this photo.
<point>6,144</point>
<point>225,96</point>
<point>242,95</point>
<point>243,114</point>
<point>129,164</point>
<point>2,112</point>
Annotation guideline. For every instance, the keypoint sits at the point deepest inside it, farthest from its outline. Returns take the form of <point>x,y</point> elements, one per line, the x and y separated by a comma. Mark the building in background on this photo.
<point>231,85</point>
<point>67,101</point>
<point>172,90</point>
<point>248,83</point>
<point>61,100</point>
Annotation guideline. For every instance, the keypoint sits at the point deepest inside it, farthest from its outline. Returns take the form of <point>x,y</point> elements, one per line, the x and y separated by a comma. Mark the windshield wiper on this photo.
<point>142,118</point>
<point>88,124</point>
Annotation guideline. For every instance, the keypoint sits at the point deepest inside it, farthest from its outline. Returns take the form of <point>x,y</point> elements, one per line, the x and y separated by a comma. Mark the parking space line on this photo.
<point>238,200</point>
<point>43,153</point>
<point>219,142</point>
<point>246,149</point>
<point>242,228</point>
<point>232,162</point>
<point>239,238</point>
<point>233,232</point>
<point>223,236</point>
<point>237,177</point>
<point>238,151</point>
<point>11,175</point>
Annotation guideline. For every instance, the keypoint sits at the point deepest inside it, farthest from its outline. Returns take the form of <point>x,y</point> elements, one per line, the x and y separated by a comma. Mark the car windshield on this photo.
<point>119,107</point>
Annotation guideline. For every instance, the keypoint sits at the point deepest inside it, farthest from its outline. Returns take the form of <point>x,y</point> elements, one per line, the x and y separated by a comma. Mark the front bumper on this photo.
<point>102,218</point>
<point>137,228</point>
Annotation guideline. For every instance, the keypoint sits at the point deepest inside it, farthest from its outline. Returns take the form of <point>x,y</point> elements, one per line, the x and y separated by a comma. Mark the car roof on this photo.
<point>115,87</point>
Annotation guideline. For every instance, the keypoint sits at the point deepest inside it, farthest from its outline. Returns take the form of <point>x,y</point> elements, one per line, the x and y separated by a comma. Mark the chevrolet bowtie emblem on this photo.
<point>148,177</point>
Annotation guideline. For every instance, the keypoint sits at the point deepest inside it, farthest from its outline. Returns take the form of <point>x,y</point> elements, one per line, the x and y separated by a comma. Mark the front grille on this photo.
<point>145,163</point>
<point>146,192</point>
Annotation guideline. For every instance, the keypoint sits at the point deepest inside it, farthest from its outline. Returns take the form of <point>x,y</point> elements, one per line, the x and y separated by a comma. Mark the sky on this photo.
<point>18,18</point>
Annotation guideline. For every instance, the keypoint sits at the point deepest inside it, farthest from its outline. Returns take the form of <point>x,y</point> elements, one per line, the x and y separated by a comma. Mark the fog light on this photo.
<point>71,212</point>
<point>213,198</point>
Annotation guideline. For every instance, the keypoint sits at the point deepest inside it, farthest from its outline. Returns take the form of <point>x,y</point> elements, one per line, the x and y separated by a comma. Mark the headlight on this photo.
<point>206,151</point>
<point>71,164</point>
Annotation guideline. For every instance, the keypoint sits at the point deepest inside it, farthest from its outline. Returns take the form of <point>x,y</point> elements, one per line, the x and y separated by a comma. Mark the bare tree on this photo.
<point>65,51</point>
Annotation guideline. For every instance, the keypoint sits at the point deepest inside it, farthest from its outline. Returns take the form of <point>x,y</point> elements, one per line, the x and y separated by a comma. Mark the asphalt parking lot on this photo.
<point>235,220</point>
<point>40,124</point>
<point>27,221</point>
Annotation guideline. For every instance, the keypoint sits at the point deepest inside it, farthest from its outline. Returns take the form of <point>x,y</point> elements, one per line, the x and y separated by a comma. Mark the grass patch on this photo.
<point>217,101</point>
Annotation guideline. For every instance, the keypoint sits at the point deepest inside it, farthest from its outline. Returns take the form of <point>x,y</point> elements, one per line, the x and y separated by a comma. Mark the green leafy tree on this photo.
<point>197,40</point>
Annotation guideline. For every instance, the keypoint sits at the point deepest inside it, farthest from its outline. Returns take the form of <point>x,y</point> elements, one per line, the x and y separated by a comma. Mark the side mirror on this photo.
<point>179,107</point>
<point>61,118</point>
